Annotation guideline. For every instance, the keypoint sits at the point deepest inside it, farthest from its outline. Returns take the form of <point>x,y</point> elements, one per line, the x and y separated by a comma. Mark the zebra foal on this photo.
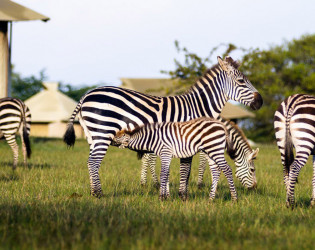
<point>294,124</point>
<point>182,140</point>
<point>15,117</point>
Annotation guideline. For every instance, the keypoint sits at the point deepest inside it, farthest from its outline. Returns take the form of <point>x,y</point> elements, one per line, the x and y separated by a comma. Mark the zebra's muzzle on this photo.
<point>257,102</point>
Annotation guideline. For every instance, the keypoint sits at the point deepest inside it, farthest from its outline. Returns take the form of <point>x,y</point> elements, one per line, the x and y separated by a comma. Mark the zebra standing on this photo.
<point>294,124</point>
<point>106,110</point>
<point>15,116</point>
<point>244,156</point>
<point>245,168</point>
<point>182,140</point>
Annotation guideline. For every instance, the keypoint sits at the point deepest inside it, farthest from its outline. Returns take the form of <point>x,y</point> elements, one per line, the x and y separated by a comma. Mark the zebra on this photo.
<point>15,116</point>
<point>244,156</point>
<point>182,140</point>
<point>245,168</point>
<point>294,124</point>
<point>106,110</point>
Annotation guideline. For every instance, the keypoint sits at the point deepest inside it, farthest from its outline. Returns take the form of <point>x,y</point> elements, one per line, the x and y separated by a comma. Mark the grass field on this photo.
<point>47,205</point>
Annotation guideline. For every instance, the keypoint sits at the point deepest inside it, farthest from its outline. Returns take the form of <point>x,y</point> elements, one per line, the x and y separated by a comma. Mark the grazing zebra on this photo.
<point>106,110</point>
<point>182,140</point>
<point>294,124</point>
<point>244,156</point>
<point>245,168</point>
<point>15,116</point>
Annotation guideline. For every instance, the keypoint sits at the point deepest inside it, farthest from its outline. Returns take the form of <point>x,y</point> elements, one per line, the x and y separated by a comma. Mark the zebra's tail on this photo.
<point>27,142</point>
<point>288,145</point>
<point>69,136</point>
<point>25,133</point>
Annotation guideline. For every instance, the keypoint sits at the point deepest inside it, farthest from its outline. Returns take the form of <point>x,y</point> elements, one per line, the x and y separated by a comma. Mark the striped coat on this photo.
<point>294,124</point>
<point>182,140</point>
<point>15,117</point>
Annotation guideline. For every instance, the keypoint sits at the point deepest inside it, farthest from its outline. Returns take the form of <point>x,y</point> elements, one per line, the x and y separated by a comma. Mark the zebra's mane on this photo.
<point>215,68</point>
<point>240,132</point>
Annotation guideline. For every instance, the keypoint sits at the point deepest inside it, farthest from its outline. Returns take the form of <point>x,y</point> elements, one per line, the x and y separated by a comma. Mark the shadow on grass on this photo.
<point>9,177</point>
<point>29,165</point>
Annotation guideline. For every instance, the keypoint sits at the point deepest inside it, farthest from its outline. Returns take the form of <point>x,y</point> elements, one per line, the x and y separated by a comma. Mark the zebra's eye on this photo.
<point>241,81</point>
<point>252,170</point>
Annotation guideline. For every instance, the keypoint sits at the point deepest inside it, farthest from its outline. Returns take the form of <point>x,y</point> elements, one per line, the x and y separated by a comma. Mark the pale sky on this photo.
<point>99,41</point>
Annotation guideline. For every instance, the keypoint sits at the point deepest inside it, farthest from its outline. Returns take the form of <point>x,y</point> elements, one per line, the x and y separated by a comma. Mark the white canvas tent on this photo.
<point>51,111</point>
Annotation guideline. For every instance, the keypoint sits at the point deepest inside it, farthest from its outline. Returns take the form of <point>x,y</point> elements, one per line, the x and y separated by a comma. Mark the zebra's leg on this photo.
<point>313,184</point>
<point>144,169</point>
<point>96,156</point>
<point>23,145</point>
<point>201,169</point>
<point>166,158</point>
<point>149,160</point>
<point>185,167</point>
<point>295,168</point>
<point>223,166</point>
<point>15,148</point>
<point>215,173</point>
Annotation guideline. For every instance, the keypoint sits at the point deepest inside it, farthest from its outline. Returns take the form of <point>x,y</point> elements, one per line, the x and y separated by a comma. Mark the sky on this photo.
<point>97,42</point>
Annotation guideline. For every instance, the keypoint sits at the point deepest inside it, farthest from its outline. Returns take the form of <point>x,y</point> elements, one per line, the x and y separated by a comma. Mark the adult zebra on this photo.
<point>106,110</point>
<point>15,116</point>
<point>182,140</point>
<point>294,124</point>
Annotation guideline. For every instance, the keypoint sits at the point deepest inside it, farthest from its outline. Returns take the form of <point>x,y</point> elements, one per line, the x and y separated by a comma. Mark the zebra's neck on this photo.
<point>207,96</point>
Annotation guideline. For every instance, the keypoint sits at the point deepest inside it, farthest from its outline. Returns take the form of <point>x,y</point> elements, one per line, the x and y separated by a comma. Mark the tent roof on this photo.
<point>11,11</point>
<point>50,105</point>
<point>153,86</point>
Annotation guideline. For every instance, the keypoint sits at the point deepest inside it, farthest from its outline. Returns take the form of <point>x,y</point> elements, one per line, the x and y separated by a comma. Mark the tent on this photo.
<point>51,111</point>
<point>157,86</point>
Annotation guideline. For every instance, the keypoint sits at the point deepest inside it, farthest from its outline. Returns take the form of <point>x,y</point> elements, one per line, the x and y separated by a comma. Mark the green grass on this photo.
<point>47,205</point>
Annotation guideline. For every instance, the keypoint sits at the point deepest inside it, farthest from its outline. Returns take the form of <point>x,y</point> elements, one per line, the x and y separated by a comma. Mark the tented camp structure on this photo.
<point>51,111</point>
<point>157,86</point>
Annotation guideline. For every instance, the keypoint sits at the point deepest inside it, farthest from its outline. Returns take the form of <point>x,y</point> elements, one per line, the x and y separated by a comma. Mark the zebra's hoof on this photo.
<point>163,197</point>
<point>183,196</point>
<point>97,194</point>
<point>201,185</point>
<point>312,203</point>
<point>211,200</point>
<point>156,185</point>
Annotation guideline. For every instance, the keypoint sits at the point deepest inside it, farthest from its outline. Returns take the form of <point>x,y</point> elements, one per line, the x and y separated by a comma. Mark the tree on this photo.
<point>25,87</point>
<point>277,73</point>
<point>75,92</point>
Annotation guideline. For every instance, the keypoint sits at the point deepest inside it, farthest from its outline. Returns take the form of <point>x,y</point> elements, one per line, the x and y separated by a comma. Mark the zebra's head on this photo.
<point>122,139</point>
<point>245,170</point>
<point>238,88</point>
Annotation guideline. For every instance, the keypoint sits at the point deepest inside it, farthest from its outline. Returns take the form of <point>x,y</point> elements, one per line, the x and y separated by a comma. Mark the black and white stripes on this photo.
<point>106,110</point>
<point>15,116</point>
<point>182,140</point>
<point>244,156</point>
<point>294,124</point>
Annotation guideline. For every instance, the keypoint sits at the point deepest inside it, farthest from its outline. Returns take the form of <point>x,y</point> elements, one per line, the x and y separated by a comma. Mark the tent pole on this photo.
<point>9,64</point>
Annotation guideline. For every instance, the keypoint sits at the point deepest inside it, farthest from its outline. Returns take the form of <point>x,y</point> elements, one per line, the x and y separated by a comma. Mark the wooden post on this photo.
<point>4,59</point>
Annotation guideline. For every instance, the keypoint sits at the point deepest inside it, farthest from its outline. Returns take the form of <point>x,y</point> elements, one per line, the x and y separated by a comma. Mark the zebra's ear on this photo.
<point>255,153</point>
<point>222,63</point>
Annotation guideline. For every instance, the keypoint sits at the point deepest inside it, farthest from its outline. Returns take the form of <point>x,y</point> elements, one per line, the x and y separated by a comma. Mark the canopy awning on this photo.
<point>10,11</point>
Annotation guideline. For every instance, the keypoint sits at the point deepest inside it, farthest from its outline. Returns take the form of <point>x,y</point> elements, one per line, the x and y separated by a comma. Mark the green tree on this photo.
<point>25,87</point>
<point>75,92</point>
<point>277,73</point>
